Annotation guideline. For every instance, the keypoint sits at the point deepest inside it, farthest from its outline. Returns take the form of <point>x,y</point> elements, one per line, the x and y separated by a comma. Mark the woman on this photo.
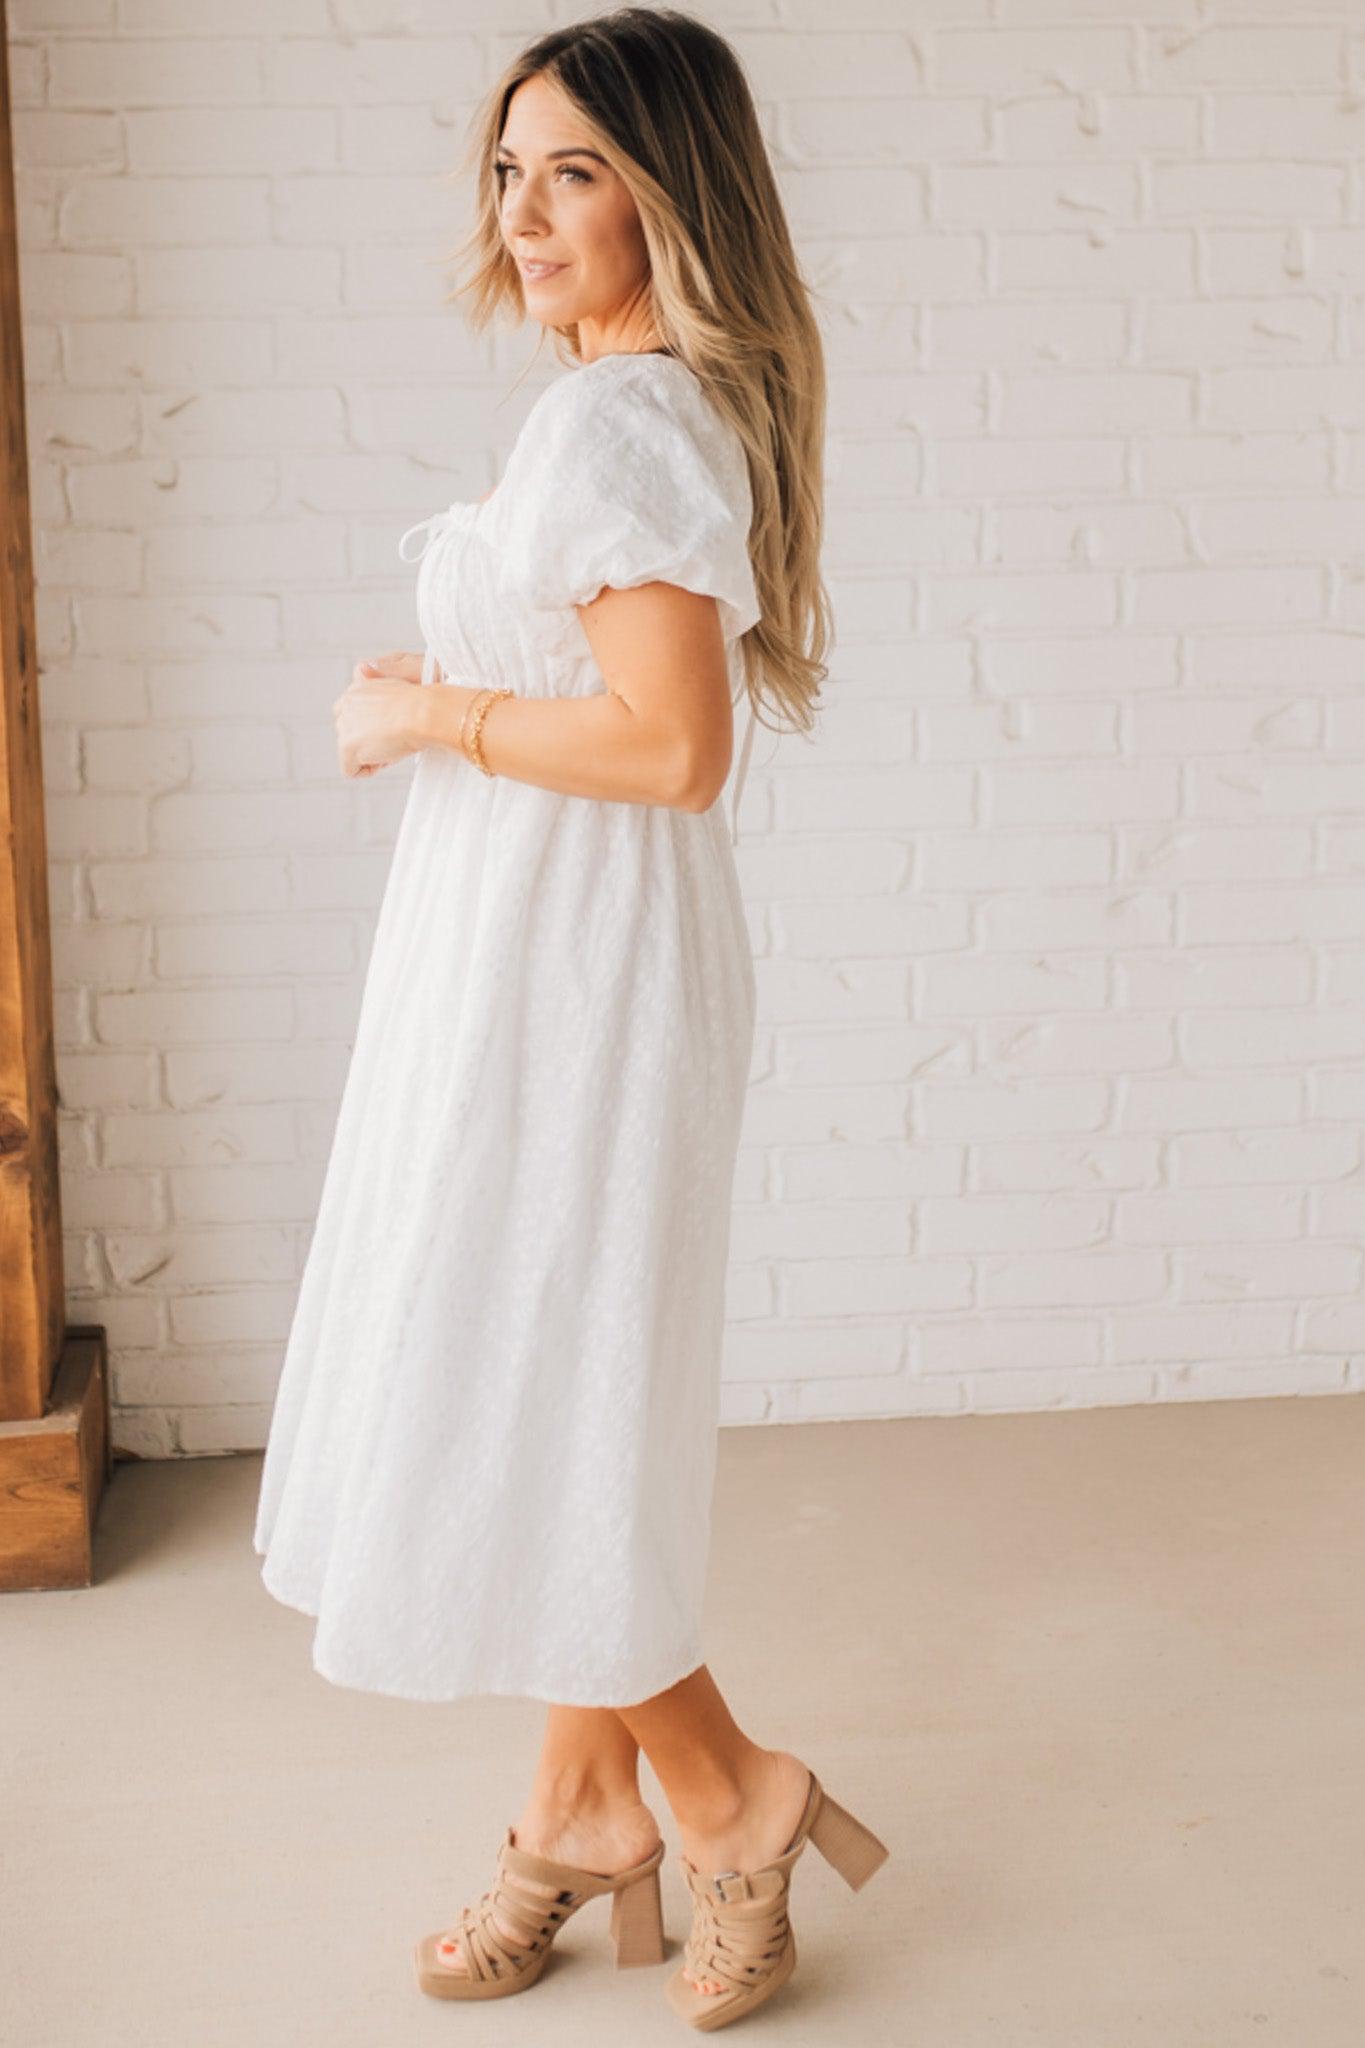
<point>491,1460</point>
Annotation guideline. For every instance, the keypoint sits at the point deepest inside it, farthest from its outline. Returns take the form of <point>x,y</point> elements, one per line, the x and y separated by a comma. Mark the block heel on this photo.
<point>846,1845</point>
<point>637,1922</point>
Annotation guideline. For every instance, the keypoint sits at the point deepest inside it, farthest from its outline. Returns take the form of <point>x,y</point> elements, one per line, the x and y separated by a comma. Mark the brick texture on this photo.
<point>1060,1073</point>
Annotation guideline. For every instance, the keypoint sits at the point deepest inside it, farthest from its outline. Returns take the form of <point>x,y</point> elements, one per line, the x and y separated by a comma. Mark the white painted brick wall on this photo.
<point>1061,1063</point>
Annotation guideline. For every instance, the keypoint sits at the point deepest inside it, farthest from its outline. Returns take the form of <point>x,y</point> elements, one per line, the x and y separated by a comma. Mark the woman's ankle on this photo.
<point>584,1806</point>
<point>570,1789</point>
<point>714,1799</point>
<point>607,1837</point>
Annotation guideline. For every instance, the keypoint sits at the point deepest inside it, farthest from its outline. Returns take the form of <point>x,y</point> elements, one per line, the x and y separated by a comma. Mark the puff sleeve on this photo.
<point>626,474</point>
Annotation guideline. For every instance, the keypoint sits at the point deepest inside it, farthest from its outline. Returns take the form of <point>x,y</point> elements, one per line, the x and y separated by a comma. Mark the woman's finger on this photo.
<point>406,666</point>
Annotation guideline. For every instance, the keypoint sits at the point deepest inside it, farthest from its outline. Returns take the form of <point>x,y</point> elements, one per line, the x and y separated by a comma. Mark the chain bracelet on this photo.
<point>481,710</point>
<point>460,738</point>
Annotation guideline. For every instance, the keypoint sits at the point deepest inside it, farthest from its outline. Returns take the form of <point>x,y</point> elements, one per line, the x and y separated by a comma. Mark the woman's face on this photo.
<point>566,213</point>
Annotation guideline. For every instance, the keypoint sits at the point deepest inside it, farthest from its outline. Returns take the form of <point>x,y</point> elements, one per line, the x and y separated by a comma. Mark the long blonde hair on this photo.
<point>669,107</point>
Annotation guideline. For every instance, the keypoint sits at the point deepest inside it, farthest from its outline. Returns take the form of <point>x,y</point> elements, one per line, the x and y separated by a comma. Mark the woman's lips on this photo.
<point>535,271</point>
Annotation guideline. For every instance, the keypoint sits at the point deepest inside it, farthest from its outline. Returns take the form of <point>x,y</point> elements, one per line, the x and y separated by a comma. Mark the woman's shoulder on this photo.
<point>624,473</point>
<point>618,400</point>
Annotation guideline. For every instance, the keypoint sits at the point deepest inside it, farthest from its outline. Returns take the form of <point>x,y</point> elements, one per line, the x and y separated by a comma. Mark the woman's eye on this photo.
<point>503,169</point>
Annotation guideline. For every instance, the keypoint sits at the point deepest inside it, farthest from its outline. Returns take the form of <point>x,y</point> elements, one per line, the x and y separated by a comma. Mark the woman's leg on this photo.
<point>584,1806</point>
<point>737,1805</point>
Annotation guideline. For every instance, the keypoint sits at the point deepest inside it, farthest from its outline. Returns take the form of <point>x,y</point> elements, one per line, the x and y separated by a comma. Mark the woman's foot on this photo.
<point>605,1840</point>
<point>748,1829</point>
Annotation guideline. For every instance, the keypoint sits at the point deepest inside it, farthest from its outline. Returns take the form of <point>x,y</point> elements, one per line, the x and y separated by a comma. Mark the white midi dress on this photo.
<point>491,1457</point>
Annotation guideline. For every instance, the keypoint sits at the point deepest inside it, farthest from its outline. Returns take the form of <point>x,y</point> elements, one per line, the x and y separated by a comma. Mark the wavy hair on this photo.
<point>668,105</point>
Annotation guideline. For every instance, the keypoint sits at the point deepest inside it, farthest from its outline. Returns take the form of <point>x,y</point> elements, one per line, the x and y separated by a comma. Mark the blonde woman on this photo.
<point>491,1460</point>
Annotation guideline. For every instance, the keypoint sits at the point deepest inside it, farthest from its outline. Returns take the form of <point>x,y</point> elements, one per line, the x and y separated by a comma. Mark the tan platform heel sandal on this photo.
<point>495,1966</point>
<point>741,1936</point>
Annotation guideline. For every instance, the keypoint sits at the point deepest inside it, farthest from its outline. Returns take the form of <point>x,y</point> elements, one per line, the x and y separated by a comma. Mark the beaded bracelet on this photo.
<point>475,748</point>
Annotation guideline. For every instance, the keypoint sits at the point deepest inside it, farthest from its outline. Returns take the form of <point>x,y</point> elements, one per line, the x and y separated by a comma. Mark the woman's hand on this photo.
<point>376,721</point>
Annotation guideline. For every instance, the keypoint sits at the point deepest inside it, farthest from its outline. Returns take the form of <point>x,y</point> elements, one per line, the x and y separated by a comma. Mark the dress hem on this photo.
<point>559,1697</point>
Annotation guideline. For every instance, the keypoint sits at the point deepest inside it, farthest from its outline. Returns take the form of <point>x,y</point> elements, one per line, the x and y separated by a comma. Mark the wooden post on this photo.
<point>54,1384</point>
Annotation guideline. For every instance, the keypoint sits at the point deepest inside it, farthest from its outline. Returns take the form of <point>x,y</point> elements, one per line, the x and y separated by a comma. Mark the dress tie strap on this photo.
<point>429,528</point>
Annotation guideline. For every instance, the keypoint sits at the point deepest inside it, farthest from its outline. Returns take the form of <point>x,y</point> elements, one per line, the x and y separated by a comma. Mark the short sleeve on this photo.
<point>624,473</point>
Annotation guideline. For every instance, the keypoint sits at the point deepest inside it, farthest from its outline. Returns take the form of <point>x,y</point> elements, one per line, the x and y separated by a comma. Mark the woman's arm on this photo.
<point>662,734</point>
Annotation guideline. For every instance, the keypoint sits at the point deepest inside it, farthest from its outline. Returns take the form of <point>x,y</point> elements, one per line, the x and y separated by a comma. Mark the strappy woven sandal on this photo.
<point>741,1936</point>
<point>495,1966</point>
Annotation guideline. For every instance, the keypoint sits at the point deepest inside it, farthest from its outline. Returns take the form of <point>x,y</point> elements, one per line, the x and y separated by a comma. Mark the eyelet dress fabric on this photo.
<point>491,1459</point>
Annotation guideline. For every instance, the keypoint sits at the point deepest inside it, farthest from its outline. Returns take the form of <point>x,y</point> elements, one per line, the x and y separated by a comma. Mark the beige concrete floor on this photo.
<point>1096,1677</point>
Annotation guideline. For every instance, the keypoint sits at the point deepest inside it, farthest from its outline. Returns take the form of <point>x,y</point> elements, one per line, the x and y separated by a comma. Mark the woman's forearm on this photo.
<point>581,746</point>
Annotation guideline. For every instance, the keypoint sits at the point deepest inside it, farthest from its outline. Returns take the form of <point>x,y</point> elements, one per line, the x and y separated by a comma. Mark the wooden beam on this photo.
<point>54,1438</point>
<point>31,1279</point>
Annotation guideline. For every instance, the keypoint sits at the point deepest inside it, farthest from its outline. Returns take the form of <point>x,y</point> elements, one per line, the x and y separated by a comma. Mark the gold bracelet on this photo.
<point>490,698</point>
<point>472,705</point>
<point>459,738</point>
